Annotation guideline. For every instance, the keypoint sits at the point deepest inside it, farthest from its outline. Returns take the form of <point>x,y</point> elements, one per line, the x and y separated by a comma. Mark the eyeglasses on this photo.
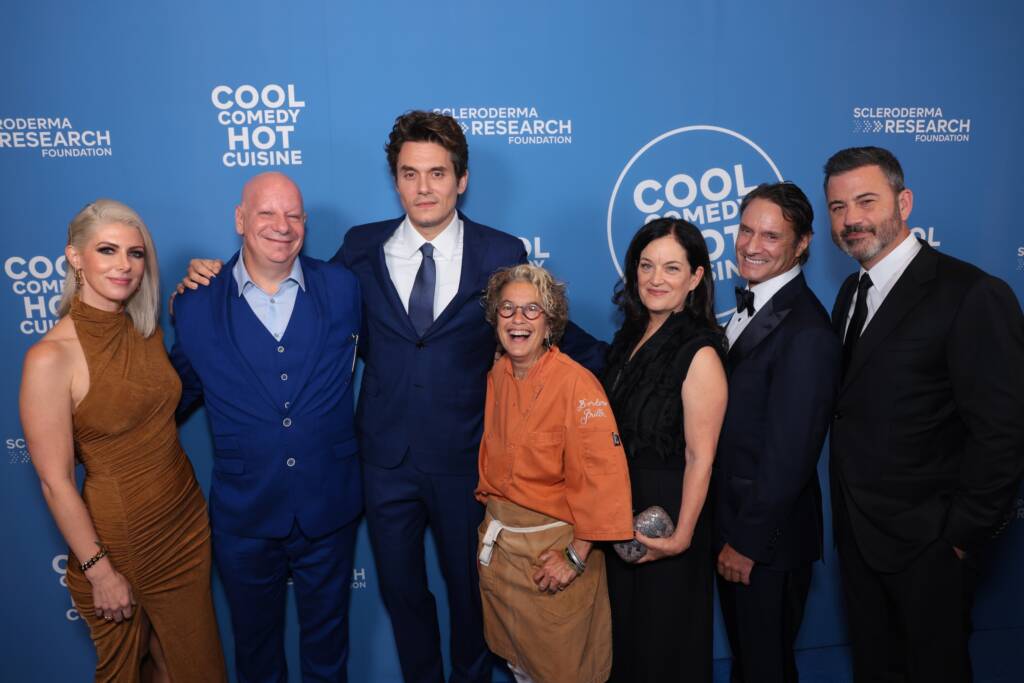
<point>507,309</point>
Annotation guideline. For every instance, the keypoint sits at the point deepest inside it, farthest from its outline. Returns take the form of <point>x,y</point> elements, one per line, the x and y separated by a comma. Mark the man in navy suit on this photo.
<point>783,370</point>
<point>927,445</point>
<point>271,350</point>
<point>428,350</point>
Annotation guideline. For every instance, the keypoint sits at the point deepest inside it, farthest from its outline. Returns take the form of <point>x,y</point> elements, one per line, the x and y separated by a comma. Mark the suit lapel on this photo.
<point>765,321</point>
<point>903,298</point>
<point>387,285</point>
<point>469,276</point>
<point>230,292</point>
<point>842,308</point>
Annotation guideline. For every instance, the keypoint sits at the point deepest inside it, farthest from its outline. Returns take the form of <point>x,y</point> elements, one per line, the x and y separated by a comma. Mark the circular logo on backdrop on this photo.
<point>697,173</point>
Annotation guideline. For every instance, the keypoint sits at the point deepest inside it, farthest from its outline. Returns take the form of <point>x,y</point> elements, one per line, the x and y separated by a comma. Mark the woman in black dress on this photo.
<point>667,388</point>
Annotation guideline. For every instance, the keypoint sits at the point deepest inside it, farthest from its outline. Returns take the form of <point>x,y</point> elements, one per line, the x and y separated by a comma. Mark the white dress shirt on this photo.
<point>403,258</point>
<point>763,292</point>
<point>884,276</point>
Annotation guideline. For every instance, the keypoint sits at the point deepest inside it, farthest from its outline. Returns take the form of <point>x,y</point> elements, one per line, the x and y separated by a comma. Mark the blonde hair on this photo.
<point>144,305</point>
<point>551,292</point>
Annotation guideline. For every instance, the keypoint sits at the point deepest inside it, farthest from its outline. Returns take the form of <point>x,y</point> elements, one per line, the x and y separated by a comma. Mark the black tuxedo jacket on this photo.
<point>928,434</point>
<point>783,374</point>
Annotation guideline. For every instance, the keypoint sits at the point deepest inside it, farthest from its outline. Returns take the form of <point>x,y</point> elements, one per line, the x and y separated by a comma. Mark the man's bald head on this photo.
<point>272,222</point>
<point>269,182</point>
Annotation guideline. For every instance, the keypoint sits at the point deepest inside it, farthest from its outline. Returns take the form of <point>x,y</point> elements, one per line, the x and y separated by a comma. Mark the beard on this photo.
<point>879,237</point>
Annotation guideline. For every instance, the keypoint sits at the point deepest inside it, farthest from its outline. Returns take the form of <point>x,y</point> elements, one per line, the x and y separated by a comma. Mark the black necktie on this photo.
<point>421,299</point>
<point>856,326</point>
<point>744,301</point>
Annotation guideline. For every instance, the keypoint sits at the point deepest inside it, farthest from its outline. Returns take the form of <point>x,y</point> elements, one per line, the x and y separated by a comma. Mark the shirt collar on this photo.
<point>894,263</point>
<point>243,280</point>
<point>764,291</point>
<point>410,240</point>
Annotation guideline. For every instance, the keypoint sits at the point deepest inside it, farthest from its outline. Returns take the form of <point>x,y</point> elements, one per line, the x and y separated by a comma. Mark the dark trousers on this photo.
<point>401,503</point>
<point>911,625</point>
<point>255,574</point>
<point>762,621</point>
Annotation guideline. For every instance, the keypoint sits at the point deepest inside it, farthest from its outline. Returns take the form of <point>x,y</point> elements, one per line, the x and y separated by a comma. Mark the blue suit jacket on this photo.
<point>255,492</point>
<point>783,377</point>
<point>425,395</point>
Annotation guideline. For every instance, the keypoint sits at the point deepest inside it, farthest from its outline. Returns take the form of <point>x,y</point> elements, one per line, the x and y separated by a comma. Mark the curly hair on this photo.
<point>427,126</point>
<point>550,291</point>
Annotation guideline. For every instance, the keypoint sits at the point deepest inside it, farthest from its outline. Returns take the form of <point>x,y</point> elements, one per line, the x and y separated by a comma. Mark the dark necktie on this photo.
<point>856,326</point>
<point>744,301</point>
<point>421,301</point>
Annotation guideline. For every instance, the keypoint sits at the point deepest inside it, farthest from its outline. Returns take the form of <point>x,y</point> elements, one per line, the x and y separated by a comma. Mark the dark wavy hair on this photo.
<point>793,203</point>
<point>700,303</point>
<point>428,126</point>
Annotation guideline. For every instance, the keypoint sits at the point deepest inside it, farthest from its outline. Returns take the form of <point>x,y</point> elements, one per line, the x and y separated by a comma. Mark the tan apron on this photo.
<point>565,637</point>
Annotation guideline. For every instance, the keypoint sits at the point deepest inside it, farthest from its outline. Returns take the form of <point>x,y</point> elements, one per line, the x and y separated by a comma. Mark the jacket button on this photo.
<point>420,345</point>
<point>287,422</point>
<point>280,349</point>
<point>284,376</point>
<point>290,462</point>
<point>838,416</point>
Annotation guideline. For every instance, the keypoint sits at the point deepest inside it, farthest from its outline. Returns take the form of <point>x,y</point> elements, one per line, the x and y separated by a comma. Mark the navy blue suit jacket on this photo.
<point>424,395</point>
<point>255,492</point>
<point>783,375</point>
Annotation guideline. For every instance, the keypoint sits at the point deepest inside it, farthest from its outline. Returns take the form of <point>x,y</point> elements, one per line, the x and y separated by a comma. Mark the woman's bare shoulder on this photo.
<point>56,352</point>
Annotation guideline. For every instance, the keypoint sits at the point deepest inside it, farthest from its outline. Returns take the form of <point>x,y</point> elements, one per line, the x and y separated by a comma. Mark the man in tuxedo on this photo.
<point>783,371</point>
<point>270,349</point>
<point>927,445</point>
<point>427,352</point>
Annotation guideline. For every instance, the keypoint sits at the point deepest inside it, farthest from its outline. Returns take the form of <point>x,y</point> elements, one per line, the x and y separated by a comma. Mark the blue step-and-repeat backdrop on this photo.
<point>584,119</point>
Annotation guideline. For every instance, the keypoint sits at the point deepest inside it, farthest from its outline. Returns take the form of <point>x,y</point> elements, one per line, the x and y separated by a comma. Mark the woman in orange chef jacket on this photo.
<point>553,476</point>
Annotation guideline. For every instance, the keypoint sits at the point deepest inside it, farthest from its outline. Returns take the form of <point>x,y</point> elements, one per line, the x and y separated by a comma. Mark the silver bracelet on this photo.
<point>574,559</point>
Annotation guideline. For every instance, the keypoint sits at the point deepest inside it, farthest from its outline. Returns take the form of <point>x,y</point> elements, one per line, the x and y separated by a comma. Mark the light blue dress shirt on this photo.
<point>273,310</point>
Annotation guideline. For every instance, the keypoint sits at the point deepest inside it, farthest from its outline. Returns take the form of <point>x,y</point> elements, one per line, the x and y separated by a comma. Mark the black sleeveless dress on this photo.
<point>662,614</point>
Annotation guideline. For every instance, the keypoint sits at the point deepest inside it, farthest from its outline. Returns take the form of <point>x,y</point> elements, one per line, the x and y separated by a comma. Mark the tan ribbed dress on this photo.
<point>145,504</point>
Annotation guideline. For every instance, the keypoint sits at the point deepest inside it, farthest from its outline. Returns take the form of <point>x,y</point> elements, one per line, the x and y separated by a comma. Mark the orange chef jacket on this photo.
<point>551,445</point>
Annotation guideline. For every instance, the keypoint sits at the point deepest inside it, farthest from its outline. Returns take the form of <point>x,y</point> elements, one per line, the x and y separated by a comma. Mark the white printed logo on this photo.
<point>59,564</point>
<point>17,451</point>
<point>700,174</point>
<point>259,123</point>
<point>518,125</point>
<point>535,254</point>
<point>39,281</point>
<point>926,124</point>
<point>54,137</point>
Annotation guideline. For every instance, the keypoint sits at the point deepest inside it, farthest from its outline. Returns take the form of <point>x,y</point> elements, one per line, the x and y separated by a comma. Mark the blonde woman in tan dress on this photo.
<point>554,478</point>
<point>99,386</point>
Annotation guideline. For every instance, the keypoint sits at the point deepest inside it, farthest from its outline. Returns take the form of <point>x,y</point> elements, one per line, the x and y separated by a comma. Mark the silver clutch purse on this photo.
<point>653,522</point>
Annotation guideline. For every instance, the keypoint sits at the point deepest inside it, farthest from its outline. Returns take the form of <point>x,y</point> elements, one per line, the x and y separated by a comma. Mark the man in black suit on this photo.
<point>783,368</point>
<point>927,447</point>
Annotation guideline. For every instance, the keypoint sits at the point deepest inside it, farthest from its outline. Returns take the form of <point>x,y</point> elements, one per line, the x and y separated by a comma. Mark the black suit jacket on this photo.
<point>928,435</point>
<point>783,374</point>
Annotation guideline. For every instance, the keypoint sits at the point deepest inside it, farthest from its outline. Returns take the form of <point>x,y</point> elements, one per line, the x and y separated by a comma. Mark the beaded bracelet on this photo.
<point>95,558</point>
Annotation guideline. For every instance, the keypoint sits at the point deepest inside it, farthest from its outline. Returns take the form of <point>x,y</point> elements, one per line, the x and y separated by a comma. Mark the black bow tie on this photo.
<point>744,301</point>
